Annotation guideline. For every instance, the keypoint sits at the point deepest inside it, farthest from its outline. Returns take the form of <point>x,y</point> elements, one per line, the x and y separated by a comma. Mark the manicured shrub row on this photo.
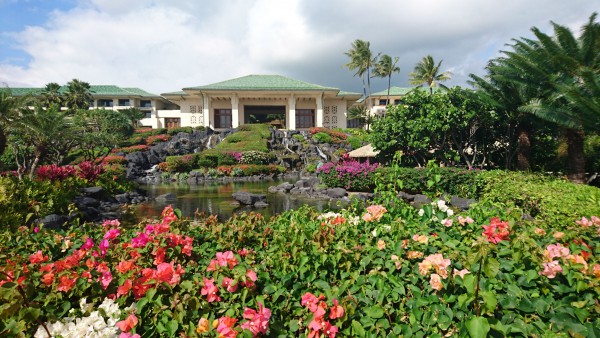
<point>324,135</point>
<point>385,270</point>
<point>131,149</point>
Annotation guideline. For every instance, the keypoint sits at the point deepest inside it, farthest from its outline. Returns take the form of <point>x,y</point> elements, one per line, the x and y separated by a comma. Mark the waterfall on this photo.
<point>212,141</point>
<point>321,153</point>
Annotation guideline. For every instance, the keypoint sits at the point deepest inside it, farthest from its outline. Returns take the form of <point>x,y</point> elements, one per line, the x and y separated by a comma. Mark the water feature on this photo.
<point>215,198</point>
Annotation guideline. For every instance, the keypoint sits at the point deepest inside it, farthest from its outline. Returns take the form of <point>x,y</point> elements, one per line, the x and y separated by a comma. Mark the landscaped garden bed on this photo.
<point>389,269</point>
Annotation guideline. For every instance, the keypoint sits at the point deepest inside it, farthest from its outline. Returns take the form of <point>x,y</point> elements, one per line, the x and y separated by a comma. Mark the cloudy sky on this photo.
<point>165,45</point>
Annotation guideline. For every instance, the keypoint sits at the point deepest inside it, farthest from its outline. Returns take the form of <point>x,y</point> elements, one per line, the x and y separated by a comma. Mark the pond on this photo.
<point>214,198</point>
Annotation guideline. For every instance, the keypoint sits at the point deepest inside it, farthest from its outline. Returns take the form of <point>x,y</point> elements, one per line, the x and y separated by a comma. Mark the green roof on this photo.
<point>263,82</point>
<point>95,90</point>
<point>343,93</point>
<point>178,93</point>
<point>140,92</point>
<point>394,91</point>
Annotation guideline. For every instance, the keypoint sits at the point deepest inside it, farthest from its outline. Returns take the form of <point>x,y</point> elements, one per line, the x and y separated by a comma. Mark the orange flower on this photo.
<point>124,267</point>
<point>125,288</point>
<point>436,282</point>
<point>48,278</point>
<point>128,323</point>
<point>380,244</point>
<point>37,257</point>
<point>414,254</point>
<point>203,326</point>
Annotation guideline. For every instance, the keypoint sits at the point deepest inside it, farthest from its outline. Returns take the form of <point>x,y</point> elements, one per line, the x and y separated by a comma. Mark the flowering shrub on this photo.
<point>150,140</point>
<point>180,164</point>
<point>250,169</point>
<point>131,149</point>
<point>351,175</point>
<point>255,157</point>
<point>112,159</point>
<point>399,272</point>
<point>334,135</point>
<point>90,171</point>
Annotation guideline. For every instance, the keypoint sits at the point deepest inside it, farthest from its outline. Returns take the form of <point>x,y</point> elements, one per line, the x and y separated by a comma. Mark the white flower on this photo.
<point>421,212</point>
<point>387,228</point>
<point>450,212</point>
<point>441,204</point>
<point>374,232</point>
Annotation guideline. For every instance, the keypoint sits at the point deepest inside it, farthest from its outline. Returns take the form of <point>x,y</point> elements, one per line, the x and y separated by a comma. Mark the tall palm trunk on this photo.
<point>523,148</point>
<point>387,101</point>
<point>576,165</point>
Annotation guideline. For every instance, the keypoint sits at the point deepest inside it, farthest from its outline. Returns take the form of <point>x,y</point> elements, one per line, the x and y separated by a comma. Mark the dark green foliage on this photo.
<point>175,131</point>
<point>180,164</point>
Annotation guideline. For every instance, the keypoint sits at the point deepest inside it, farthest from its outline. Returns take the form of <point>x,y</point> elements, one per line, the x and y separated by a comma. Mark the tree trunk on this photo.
<point>576,158</point>
<point>2,141</point>
<point>523,148</point>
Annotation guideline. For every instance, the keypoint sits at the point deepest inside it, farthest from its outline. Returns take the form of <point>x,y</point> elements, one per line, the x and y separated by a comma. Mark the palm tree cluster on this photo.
<point>38,130</point>
<point>555,79</point>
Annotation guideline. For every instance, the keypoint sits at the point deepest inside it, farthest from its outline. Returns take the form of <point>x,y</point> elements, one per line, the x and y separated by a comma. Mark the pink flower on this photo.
<point>330,330</point>
<point>463,221</point>
<point>309,300</point>
<point>258,321</point>
<point>89,243</point>
<point>226,258</point>
<point>225,327</point>
<point>168,215</point>
<point>556,250</point>
<point>111,223</point>
<point>212,266</point>
<point>251,278</point>
<point>584,222</point>
<point>436,282</point>
<point>447,222</point>
<point>228,284</point>
<point>210,290</point>
<point>140,241</point>
<point>104,247</point>
<point>129,335</point>
<point>551,269</point>
<point>124,289</point>
<point>460,273</point>
<point>243,252</point>
<point>336,311</point>
<point>595,220</point>
<point>112,234</point>
<point>167,273</point>
<point>36,229</point>
<point>105,279</point>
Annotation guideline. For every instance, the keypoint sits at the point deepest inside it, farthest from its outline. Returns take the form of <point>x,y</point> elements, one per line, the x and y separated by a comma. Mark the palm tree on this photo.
<point>566,71</point>
<point>427,72</point>
<point>51,94</point>
<point>385,67</point>
<point>361,60</point>
<point>9,113</point>
<point>78,95</point>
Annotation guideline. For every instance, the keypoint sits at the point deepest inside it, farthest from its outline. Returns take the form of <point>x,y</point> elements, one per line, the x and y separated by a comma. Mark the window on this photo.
<point>105,103</point>
<point>146,104</point>
<point>383,102</point>
<point>305,118</point>
<point>397,101</point>
<point>123,102</point>
<point>148,115</point>
<point>222,118</point>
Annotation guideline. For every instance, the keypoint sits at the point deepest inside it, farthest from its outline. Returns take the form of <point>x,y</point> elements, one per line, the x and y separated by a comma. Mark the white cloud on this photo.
<point>164,45</point>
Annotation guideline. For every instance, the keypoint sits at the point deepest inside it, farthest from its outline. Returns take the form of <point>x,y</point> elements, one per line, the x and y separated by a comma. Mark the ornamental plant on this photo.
<point>349,174</point>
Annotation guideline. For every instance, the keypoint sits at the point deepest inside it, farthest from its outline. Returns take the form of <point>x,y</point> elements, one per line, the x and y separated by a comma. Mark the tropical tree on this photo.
<point>384,68</point>
<point>51,95</point>
<point>361,60</point>
<point>38,133</point>
<point>101,130</point>
<point>426,72</point>
<point>9,112</point>
<point>134,115</point>
<point>361,115</point>
<point>78,95</point>
<point>565,72</point>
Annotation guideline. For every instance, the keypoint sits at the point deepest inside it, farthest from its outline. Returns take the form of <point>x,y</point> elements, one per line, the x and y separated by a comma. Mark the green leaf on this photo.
<point>491,267</point>
<point>357,329</point>
<point>489,301</point>
<point>177,213</point>
<point>469,281</point>
<point>375,311</point>
<point>172,326</point>
<point>478,327</point>
<point>323,285</point>
<point>187,285</point>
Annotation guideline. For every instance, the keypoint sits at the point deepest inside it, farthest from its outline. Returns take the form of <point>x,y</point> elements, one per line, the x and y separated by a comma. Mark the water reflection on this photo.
<point>214,198</point>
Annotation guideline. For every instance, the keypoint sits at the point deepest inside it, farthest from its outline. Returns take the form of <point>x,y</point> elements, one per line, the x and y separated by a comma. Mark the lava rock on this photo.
<point>248,198</point>
<point>166,197</point>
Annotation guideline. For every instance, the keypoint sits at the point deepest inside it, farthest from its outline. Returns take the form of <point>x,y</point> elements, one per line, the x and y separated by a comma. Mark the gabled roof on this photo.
<point>178,93</point>
<point>26,91</point>
<point>262,82</point>
<point>140,92</point>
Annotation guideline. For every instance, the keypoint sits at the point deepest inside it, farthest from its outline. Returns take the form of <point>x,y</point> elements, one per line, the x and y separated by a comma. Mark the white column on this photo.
<point>291,116</point>
<point>235,118</point>
<point>319,116</point>
<point>206,110</point>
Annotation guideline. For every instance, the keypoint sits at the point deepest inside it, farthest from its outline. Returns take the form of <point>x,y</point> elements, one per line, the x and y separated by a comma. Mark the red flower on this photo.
<point>226,258</point>
<point>497,230</point>
<point>225,328</point>
<point>48,278</point>
<point>38,257</point>
<point>124,289</point>
<point>66,283</point>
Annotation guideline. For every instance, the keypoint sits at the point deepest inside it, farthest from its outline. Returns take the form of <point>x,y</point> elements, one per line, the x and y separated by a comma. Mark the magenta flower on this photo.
<point>210,290</point>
